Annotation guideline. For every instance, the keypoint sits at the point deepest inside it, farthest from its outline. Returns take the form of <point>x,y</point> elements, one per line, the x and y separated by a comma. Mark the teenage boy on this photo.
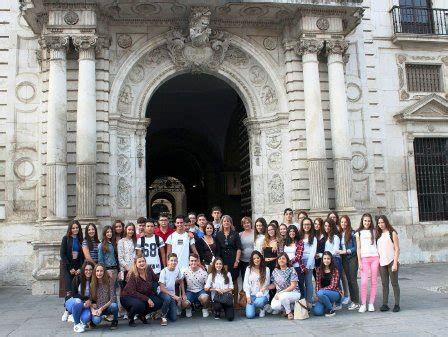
<point>216,215</point>
<point>288,215</point>
<point>195,278</point>
<point>202,222</point>
<point>164,230</point>
<point>141,227</point>
<point>152,247</point>
<point>180,243</point>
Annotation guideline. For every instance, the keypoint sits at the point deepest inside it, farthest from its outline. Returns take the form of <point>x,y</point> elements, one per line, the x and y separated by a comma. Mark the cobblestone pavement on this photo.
<point>424,304</point>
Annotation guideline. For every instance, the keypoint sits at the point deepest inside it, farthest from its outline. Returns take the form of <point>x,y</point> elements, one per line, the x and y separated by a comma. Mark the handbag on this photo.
<point>243,299</point>
<point>225,298</point>
<point>301,310</point>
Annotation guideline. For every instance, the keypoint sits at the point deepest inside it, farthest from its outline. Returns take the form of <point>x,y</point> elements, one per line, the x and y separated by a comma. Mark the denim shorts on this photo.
<point>194,297</point>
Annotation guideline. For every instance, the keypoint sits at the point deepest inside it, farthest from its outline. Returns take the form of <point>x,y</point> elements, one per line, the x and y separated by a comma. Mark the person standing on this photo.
<point>90,244</point>
<point>202,222</point>
<point>140,230</point>
<point>106,254</point>
<point>309,252</point>
<point>126,252</point>
<point>259,234</point>
<point>152,248</point>
<point>164,230</point>
<point>208,246</point>
<point>247,244</point>
<point>180,243</point>
<point>294,248</point>
<point>288,215</point>
<point>216,215</point>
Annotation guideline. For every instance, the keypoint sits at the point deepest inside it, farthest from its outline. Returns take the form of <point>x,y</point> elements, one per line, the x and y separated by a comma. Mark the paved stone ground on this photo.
<point>424,312</point>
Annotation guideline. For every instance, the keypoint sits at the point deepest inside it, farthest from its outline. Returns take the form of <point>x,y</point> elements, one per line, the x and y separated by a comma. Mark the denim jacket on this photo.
<point>350,246</point>
<point>108,259</point>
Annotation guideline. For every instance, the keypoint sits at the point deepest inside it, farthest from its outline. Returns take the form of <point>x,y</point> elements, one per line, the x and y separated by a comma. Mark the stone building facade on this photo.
<point>333,113</point>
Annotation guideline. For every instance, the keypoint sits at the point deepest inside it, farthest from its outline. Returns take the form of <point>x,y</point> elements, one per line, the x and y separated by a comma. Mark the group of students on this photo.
<point>158,271</point>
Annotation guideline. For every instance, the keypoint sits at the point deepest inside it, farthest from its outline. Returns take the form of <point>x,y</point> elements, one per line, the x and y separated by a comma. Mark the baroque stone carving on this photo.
<point>124,166</point>
<point>336,46</point>
<point>268,96</point>
<point>71,18</point>
<point>140,155</point>
<point>276,190</point>
<point>444,60</point>
<point>237,57</point>
<point>275,161</point>
<point>54,42</point>
<point>401,58</point>
<point>137,73</point>
<point>404,95</point>
<point>273,139</point>
<point>124,41</point>
<point>308,46</point>
<point>125,95</point>
<point>257,75</point>
<point>322,24</point>
<point>359,162</point>
<point>155,57</point>
<point>203,48</point>
<point>84,42</point>
<point>123,143</point>
<point>25,91</point>
<point>23,168</point>
<point>123,193</point>
<point>270,43</point>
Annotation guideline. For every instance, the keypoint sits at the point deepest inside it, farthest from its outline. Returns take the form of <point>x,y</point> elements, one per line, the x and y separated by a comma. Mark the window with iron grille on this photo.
<point>424,77</point>
<point>431,168</point>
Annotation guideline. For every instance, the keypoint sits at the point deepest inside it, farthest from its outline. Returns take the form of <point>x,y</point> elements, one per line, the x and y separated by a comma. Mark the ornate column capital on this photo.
<point>85,45</point>
<point>309,46</point>
<point>338,47</point>
<point>56,44</point>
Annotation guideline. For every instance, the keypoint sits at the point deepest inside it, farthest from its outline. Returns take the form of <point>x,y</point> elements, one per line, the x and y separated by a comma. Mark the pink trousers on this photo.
<point>370,265</point>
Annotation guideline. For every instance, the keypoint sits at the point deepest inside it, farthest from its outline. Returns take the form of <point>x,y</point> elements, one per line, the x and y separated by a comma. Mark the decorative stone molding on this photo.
<point>270,43</point>
<point>71,18</point>
<point>308,46</point>
<point>124,41</point>
<point>276,190</point>
<point>432,108</point>
<point>338,47</point>
<point>25,91</point>
<point>85,45</point>
<point>322,24</point>
<point>57,45</point>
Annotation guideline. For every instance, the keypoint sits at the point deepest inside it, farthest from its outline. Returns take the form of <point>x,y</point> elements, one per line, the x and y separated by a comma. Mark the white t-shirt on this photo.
<point>151,252</point>
<point>195,279</point>
<point>219,282</point>
<point>367,248</point>
<point>169,278</point>
<point>180,244</point>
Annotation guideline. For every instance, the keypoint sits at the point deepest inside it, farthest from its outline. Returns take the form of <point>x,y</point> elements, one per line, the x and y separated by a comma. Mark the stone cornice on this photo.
<point>128,123</point>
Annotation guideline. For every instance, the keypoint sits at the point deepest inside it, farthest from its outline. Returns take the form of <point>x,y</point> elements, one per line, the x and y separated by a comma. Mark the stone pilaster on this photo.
<point>56,127</point>
<point>86,130</point>
<point>315,136</point>
<point>340,136</point>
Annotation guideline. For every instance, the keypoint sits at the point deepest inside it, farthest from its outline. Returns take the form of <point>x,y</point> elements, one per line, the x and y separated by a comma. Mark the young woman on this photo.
<point>319,230</point>
<point>126,251</point>
<point>309,252</point>
<point>285,280</point>
<point>139,296</point>
<point>350,261</point>
<point>301,215</point>
<point>78,305</point>
<point>118,232</point>
<point>294,248</point>
<point>272,246</point>
<point>219,283</point>
<point>256,282</point>
<point>368,261</point>
<point>327,287</point>
<point>333,243</point>
<point>102,296</point>
<point>283,230</point>
<point>106,254</point>
<point>259,233</point>
<point>71,254</point>
<point>275,223</point>
<point>333,215</point>
<point>90,243</point>
<point>208,246</point>
<point>230,245</point>
<point>389,251</point>
<point>247,244</point>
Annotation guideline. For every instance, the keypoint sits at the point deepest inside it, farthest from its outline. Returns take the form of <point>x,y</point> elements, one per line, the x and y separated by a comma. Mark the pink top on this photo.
<point>385,249</point>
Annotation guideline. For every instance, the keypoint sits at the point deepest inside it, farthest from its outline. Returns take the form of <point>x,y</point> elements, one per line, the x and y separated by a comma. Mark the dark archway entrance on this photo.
<point>197,136</point>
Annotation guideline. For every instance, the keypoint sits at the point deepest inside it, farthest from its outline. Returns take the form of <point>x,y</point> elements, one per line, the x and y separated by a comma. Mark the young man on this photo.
<point>195,278</point>
<point>180,243</point>
<point>288,215</point>
<point>169,276</point>
<point>192,223</point>
<point>216,215</point>
<point>141,227</point>
<point>164,230</point>
<point>152,247</point>
<point>202,222</point>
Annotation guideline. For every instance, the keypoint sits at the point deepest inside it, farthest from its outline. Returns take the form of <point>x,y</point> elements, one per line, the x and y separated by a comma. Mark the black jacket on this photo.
<point>66,254</point>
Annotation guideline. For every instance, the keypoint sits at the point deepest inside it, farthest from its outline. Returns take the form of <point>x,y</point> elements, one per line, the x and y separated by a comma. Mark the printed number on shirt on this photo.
<point>152,251</point>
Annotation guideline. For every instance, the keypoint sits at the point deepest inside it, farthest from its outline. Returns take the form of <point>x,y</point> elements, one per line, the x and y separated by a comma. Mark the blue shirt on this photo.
<point>108,259</point>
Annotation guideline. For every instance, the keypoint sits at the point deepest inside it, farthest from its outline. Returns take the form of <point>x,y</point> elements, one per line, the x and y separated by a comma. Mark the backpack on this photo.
<point>157,241</point>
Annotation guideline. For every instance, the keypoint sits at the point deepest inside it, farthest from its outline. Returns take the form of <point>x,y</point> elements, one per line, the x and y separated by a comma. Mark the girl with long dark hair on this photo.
<point>126,251</point>
<point>259,233</point>
<point>309,252</point>
<point>319,230</point>
<point>90,243</point>
<point>294,248</point>
<point>256,282</point>
<point>102,296</point>
<point>106,254</point>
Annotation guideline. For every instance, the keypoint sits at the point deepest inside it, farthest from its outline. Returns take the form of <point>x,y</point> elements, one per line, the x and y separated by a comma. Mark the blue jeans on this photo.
<point>301,277</point>
<point>169,307</point>
<point>326,298</point>
<point>75,306</point>
<point>309,288</point>
<point>111,310</point>
<point>194,297</point>
<point>255,302</point>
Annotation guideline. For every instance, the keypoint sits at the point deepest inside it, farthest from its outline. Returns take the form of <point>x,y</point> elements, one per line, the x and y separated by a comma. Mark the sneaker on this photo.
<point>262,313</point>
<point>353,306</point>
<point>132,323</point>
<point>384,307</point>
<point>188,312</point>
<point>79,328</point>
<point>109,318</point>
<point>268,308</point>
<point>371,308</point>
<point>330,313</point>
<point>337,306</point>
<point>125,316</point>
<point>205,313</point>
<point>362,308</point>
<point>114,324</point>
<point>396,308</point>
<point>216,315</point>
<point>345,300</point>
<point>164,321</point>
<point>70,319</point>
<point>65,316</point>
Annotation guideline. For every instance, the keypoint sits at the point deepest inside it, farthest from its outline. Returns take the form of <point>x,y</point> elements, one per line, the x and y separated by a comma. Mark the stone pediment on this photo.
<point>430,108</point>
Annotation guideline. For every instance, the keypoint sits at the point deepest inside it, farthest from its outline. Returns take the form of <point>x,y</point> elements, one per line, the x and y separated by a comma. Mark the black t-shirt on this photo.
<point>228,246</point>
<point>326,280</point>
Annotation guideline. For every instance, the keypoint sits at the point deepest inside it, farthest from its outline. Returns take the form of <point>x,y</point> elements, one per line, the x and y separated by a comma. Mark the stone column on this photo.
<point>314,123</point>
<point>340,137</point>
<point>86,130</point>
<point>57,127</point>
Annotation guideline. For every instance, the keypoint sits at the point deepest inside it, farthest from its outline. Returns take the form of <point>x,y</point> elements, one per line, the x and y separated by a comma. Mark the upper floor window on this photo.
<point>424,77</point>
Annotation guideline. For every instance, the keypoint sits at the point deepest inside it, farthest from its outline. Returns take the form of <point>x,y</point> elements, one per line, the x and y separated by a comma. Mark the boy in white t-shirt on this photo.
<point>152,247</point>
<point>168,278</point>
<point>195,278</point>
<point>180,243</point>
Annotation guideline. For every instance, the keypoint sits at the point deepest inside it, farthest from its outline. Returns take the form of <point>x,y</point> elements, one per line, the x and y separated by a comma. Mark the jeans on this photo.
<point>255,302</point>
<point>111,310</point>
<point>370,265</point>
<point>301,282</point>
<point>350,266</point>
<point>135,306</point>
<point>326,298</point>
<point>386,273</point>
<point>309,288</point>
<point>229,311</point>
<point>75,306</point>
<point>169,307</point>
<point>284,301</point>
<point>194,297</point>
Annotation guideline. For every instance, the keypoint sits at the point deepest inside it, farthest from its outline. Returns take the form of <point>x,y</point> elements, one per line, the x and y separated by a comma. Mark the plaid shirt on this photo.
<point>299,255</point>
<point>334,284</point>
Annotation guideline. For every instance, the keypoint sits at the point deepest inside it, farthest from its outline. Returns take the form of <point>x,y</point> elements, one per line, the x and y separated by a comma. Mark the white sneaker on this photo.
<point>70,319</point>
<point>337,307</point>
<point>205,313</point>
<point>79,328</point>
<point>362,308</point>
<point>125,316</point>
<point>345,300</point>
<point>353,306</point>
<point>371,308</point>
<point>262,313</point>
<point>188,312</point>
<point>267,308</point>
<point>65,316</point>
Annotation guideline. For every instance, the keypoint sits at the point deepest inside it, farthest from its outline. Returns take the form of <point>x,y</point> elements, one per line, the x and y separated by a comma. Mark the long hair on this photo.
<point>321,227</point>
<point>347,232</point>
<point>274,222</point>
<point>388,226</point>
<point>95,281</point>
<point>246,218</point>
<point>114,233</point>
<point>262,266</point>
<point>267,238</point>
<point>134,236</point>
<point>288,239</point>
<point>228,217</point>
<point>333,230</point>
<point>338,226</point>
<point>134,270</point>
<point>361,226</point>
<point>105,240</point>
<point>95,236</point>
<point>223,271</point>
<point>263,224</point>
<point>69,230</point>
<point>332,266</point>
<point>288,261</point>
<point>83,277</point>
<point>311,233</point>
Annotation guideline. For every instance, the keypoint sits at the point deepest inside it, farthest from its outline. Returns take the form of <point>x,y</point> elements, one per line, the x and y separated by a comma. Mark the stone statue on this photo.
<point>199,26</point>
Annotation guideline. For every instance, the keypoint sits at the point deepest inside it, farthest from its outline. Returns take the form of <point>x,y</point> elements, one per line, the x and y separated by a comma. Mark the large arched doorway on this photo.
<point>197,136</point>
